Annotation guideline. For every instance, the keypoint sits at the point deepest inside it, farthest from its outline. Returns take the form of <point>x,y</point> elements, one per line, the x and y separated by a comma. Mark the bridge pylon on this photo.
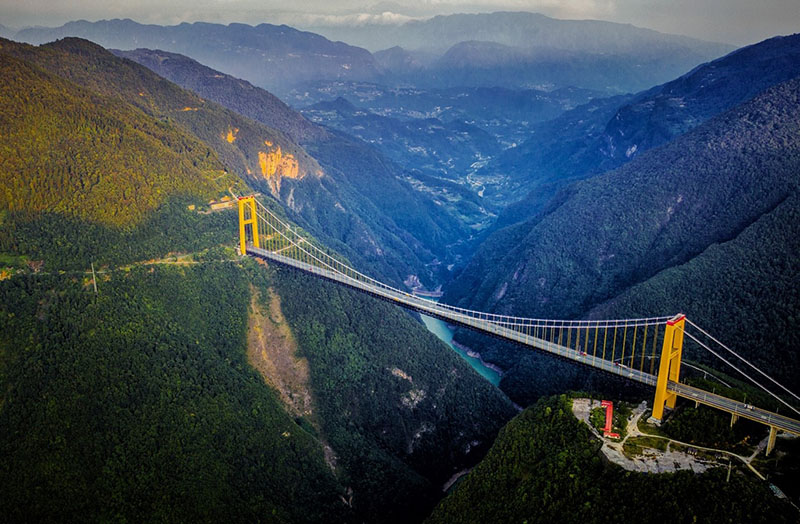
<point>247,203</point>
<point>669,368</point>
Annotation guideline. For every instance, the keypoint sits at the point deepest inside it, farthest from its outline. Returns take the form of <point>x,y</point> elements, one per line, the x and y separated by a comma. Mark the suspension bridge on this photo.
<point>643,350</point>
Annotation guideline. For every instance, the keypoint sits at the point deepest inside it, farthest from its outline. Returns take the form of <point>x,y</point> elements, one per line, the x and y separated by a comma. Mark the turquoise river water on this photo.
<point>440,329</point>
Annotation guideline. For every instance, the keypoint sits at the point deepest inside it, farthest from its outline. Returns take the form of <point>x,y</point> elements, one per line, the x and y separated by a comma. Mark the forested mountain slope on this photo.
<point>729,186</point>
<point>545,466</point>
<point>86,177</point>
<point>138,404</point>
<point>239,95</point>
<point>361,207</point>
<point>605,134</point>
<point>65,151</point>
<point>262,155</point>
<point>138,401</point>
<point>355,203</point>
<point>401,411</point>
<point>273,57</point>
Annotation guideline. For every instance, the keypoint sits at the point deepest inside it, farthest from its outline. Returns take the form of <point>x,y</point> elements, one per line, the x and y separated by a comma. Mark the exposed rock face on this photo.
<point>276,165</point>
<point>272,350</point>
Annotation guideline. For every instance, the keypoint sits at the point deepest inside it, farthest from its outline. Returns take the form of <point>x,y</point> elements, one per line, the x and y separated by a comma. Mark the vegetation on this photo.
<point>619,420</point>
<point>360,207</point>
<point>634,446</point>
<point>545,467</point>
<point>138,404</point>
<point>235,94</point>
<point>712,428</point>
<point>401,410</point>
<point>64,243</point>
<point>783,466</point>
<point>73,152</point>
<point>606,133</point>
<point>142,395</point>
<point>706,225</point>
<point>236,140</point>
<point>89,178</point>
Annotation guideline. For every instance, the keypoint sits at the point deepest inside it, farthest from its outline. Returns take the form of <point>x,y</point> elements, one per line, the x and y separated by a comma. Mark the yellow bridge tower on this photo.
<point>247,203</point>
<point>669,368</point>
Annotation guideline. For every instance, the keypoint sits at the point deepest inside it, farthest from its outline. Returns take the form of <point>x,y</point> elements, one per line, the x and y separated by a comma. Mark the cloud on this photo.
<point>352,20</point>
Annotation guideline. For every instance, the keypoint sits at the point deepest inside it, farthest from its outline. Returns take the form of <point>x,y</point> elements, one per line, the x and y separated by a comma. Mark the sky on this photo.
<point>737,22</point>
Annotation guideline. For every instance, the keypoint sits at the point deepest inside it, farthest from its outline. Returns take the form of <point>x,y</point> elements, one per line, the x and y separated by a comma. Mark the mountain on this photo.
<point>43,169</point>
<point>5,32</point>
<point>505,113</point>
<point>239,95</point>
<point>712,204</point>
<point>87,167</point>
<point>273,57</point>
<point>605,134</point>
<point>545,466</point>
<point>144,402</point>
<point>402,411</point>
<point>180,381</point>
<point>522,29</point>
<point>138,403</point>
<point>554,154</point>
<point>400,61</point>
<point>592,54</point>
<point>480,63</point>
<point>264,156</point>
<point>345,204</point>
<point>361,206</point>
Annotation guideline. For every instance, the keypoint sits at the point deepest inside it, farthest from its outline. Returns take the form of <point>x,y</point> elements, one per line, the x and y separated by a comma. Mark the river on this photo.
<point>440,329</point>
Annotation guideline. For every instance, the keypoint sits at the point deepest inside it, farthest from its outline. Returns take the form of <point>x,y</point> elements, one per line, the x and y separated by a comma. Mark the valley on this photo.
<point>517,168</point>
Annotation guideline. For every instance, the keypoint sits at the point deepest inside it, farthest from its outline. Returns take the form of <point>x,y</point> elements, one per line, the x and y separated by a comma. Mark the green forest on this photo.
<point>399,438</point>
<point>138,404</point>
<point>545,466</point>
<point>74,152</point>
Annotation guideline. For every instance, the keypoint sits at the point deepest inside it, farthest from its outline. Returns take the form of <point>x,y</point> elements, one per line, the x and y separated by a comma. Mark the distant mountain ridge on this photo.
<point>520,29</point>
<point>5,32</point>
<point>605,134</point>
<point>615,57</point>
<point>523,49</point>
<point>485,63</point>
<point>274,57</point>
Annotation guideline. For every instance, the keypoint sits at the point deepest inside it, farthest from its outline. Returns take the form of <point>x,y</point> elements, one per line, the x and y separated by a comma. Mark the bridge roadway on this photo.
<point>432,309</point>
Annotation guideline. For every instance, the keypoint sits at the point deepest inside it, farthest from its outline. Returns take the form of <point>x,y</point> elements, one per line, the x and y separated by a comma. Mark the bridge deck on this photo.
<point>430,308</point>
